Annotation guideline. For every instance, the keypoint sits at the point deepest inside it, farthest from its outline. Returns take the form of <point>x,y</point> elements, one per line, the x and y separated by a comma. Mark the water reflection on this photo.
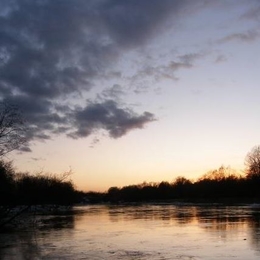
<point>255,230</point>
<point>223,221</point>
<point>146,231</point>
<point>27,243</point>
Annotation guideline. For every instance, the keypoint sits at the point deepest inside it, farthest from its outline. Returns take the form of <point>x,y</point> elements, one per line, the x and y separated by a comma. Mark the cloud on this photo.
<point>94,142</point>
<point>143,78</point>
<point>53,53</point>
<point>108,116</point>
<point>36,159</point>
<point>53,50</point>
<point>46,121</point>
<point>248,36</point>
<point>25,149</point>
<point>132,23</point>
<point>115,92</point>
<point>253,13</point>
<point>220,58</point>
<point>41,118</point>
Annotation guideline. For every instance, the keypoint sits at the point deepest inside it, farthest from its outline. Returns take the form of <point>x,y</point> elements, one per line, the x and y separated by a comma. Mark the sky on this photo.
<point>126,91</point>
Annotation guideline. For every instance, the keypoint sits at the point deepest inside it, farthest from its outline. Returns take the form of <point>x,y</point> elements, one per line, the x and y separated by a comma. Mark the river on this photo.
<point>147,231</point>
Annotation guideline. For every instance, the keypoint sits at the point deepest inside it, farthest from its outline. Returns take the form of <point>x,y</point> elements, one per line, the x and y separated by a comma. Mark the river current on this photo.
<point>146,231</point>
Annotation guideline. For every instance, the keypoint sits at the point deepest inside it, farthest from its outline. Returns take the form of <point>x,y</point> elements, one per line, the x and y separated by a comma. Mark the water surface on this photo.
<point>146,231</point>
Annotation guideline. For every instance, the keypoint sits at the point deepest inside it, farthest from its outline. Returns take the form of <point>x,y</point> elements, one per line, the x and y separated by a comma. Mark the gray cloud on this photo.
<point>52,50</point>
<point>248,36</point>
<point>25,149</point>
<point>115,92</point>
<point>94,142</point>
<point>221,58</point>
<point>163,71</point>
<point>254,12</point>
<point>36,159</point>
<point>41,118</point>
<point>108,116</point>
<point>134,22</point>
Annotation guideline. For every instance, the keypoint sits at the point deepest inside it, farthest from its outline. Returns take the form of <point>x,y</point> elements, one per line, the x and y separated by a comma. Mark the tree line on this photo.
<point>23,192</point>
<point>34,189</point>
<point>221,185</point>
<point>209,188</point>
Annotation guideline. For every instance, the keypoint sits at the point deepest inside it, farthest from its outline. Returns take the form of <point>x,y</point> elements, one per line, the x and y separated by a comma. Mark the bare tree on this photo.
<point>12,130</point>
<point>252,162</point>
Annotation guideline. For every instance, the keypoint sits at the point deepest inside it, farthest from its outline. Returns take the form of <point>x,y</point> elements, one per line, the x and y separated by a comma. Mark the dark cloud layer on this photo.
<point>50,50</point>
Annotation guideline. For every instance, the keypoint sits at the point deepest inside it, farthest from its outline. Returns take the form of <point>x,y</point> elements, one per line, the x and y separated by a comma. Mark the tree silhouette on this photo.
<point>7,183</point>
<point>252,162</point>
<point>12,131</point>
